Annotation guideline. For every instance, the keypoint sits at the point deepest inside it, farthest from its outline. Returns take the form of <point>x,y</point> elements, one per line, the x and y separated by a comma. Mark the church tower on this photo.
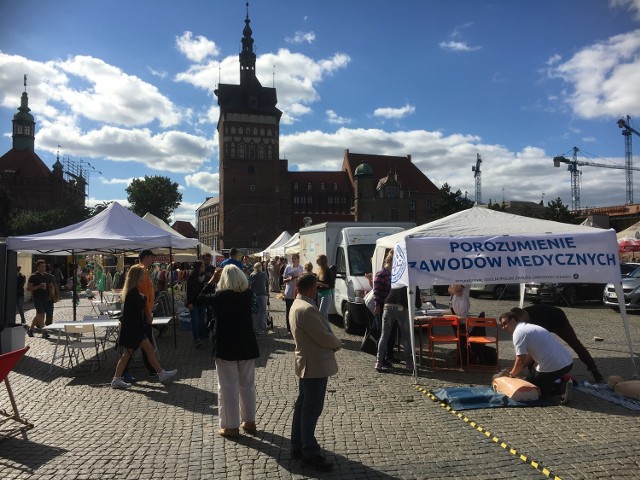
<point>24,127</point>
<point>254,187</point>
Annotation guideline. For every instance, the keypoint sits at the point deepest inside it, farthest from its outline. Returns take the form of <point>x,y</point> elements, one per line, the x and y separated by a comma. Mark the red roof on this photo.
<point>25,163</point>
<point>328,178</point>
<point>185,228</point>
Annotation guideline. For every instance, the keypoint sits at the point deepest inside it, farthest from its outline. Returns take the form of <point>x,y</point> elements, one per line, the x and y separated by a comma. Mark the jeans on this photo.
<point>391,316</point>
<point>20,307</point>
<point>324,300</point>
<point>260,318</point>
<point>198,328</point>
<point>306,413</point>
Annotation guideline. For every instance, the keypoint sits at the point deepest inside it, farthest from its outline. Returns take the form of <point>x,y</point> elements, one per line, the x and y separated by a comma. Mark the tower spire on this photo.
<point>247,55</point>
<point>23,124</point>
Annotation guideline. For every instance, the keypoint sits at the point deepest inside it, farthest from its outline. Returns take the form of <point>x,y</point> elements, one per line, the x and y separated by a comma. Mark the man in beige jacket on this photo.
<point>315,362</point>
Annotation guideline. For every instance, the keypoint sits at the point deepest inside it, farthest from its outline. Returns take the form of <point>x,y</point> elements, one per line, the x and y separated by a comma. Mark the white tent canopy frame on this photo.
<point>292,246</point>
<point>187,255</point>
<point>114,230</point>
<point>277,243</point>
<point>482,245</point>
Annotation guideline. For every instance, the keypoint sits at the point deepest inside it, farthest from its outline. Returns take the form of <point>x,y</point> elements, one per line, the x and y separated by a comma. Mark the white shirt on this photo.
<point>545,349</point>
<point>289,287</point>
<point>460,303</point>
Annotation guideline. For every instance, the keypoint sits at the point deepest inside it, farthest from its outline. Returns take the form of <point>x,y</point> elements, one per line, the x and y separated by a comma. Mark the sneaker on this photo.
<point>127,377</point>
<point>249,427</point>
<point>153,375</point>
<point>567,394</point>
<point>117,382</point>
<point>229,432</point>
<point>45,335</point>
<point>30,332</point>
<point>165,375</point>
<point>318,463</point>
<point>383,365</point>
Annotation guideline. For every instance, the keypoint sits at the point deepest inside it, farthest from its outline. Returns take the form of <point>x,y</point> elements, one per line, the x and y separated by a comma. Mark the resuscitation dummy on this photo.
<point>627,388</point>
<point>516,388</point>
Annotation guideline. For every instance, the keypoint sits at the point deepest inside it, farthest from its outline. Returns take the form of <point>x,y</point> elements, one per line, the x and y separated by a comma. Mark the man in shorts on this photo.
<point>38,285</point>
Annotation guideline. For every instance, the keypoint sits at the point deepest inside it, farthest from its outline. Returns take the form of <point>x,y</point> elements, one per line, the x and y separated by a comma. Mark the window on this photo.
<point>335,186</point>
<point>277,188</point>
<point>252,151</point>
<point>392,192</point>
<point>412,206</point>
<point>240,130</point>
<point>241,150</point>
<point>233,150</point>
<point>394,214</point>
<point>269,152</point>
<point>260,152</point>
<point>309,186</point>
<point>322,186</point>
<point>255,132</point>
<point>295,186</point>
<point>233,130</point>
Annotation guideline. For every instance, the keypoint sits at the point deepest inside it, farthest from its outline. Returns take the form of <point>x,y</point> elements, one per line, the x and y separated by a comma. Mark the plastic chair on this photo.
<point>80,338</point>
<point>7,362</point>
<point>450,336</point>
<point>482,325</point>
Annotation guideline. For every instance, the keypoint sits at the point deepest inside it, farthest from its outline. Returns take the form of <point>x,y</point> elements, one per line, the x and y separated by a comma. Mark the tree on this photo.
<point>99,208</point>
<point>156,195</point>
<point>559,212</point>
<point>26,222</point>
<point>448,202</point>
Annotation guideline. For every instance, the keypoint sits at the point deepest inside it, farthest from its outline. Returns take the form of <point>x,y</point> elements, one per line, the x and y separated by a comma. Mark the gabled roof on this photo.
<point>409,175</point>
<point>24,162</point>
<point>185,228</point>
<point>328,178</point>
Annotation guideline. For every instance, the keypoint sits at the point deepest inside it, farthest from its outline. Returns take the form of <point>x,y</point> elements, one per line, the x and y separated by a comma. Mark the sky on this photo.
<point>125,89</point>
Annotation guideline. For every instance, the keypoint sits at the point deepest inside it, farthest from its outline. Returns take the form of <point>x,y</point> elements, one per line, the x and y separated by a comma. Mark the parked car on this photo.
<point>627,268</point>
<point>495,290</point>
<point>568,293</point>
<point>441,289</point>
<point>630,288</point>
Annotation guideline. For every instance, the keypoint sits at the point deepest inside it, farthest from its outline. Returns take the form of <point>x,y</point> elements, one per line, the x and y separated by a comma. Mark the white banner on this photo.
<point>565,258</point>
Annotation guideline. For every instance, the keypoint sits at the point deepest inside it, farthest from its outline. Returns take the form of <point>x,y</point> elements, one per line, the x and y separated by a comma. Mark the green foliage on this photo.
<point>559,212</point>
<point>448,202</point>
<point>99,208</point>
<point>156,195</point>
<point>27,222</point>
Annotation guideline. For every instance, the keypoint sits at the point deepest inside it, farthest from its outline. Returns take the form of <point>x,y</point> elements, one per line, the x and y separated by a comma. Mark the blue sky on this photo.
<point>127,87</point>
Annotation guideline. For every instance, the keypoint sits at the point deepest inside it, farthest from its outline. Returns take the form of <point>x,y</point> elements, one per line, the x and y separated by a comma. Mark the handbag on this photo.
<point>369,344</point>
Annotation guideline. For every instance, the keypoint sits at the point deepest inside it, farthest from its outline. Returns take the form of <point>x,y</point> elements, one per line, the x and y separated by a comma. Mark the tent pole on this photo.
<point>411,308</point>
<point>625,322</point>
<point>74,283</point>
<point>173,303</point>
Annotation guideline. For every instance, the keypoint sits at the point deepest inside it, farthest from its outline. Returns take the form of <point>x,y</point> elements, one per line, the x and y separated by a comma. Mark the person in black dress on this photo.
<point>132,329</point>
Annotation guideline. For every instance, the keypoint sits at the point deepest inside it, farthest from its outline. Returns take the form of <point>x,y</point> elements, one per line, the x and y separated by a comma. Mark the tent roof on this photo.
<point>630,232</point>
<point>115,229</point>
<point>151,218</point>
<point>479,221</point>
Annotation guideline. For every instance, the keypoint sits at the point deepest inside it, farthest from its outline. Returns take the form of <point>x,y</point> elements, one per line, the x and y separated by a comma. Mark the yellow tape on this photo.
<point>512,451</point>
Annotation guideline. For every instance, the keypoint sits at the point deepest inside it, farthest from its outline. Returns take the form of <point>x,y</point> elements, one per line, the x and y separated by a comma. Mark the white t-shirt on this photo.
<point>545,349</point>
<point>460,303</point>
<point>289,287</point>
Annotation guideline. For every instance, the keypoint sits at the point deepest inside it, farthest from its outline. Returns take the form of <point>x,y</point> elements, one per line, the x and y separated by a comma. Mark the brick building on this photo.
<point>29,183</point>
<point>260,197</point>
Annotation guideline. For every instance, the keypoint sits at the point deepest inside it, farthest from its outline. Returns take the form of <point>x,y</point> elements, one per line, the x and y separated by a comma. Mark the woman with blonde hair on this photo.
<point>132,329</point>
<point>234,349</point>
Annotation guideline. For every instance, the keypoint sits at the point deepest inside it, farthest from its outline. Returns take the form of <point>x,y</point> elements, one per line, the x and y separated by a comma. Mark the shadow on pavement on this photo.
<point>13,456</point>
<point>279,448</point>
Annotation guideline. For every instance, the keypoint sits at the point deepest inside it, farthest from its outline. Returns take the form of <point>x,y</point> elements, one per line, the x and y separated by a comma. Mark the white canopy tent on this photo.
<point>189,255</point>
<point>292,246</point>
<point>114,230</point>
<point>277,243</point>
<point>482,245</point>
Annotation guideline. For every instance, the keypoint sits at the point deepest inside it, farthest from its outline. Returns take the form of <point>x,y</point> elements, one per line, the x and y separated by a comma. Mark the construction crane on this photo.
<point>627,130</point>
<point>476,174</point>
<point>575,173</point>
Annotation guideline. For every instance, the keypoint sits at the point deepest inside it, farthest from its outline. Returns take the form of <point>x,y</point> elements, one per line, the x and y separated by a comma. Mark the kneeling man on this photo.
<point>534,343</point>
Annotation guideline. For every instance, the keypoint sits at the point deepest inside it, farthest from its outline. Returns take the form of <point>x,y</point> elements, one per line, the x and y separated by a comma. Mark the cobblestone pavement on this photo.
<point>374,426</point>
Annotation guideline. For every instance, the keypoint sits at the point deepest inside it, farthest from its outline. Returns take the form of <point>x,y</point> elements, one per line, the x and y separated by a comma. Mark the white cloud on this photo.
<point>196,49</point>
<point>602,77</point>
<point>454,46</point>
<point>334,118</point>
<point>205,181</point>
<point>633,5</point>
<point>301,37</point>
<point>157,73</point>
<point>116,181</point>
<point>457,30</point>
<point>394,113</point>
<point>296,77</point>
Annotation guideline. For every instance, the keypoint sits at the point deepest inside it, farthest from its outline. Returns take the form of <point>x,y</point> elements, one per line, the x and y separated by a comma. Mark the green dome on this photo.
<point>363,169</point>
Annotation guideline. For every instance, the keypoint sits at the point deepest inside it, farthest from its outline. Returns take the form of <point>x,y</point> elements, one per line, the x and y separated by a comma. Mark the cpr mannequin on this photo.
<point>628,388</point>
<point>516,388</point>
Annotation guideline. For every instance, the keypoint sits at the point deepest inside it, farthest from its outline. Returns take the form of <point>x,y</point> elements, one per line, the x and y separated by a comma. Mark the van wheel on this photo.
<point>347,320</point>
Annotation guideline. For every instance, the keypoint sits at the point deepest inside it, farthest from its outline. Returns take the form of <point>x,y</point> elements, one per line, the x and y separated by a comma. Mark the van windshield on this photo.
<point>360,259</point>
